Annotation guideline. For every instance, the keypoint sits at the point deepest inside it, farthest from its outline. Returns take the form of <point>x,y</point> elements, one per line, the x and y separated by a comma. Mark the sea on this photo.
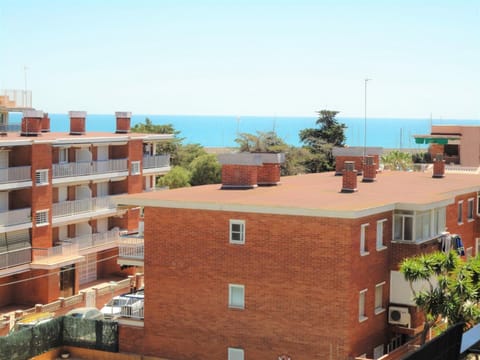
<point>222,130</point>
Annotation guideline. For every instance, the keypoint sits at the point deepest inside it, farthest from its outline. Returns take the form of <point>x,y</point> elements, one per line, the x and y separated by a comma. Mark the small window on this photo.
<point>363,240</point>
<point>469,252</point>
<point>379,308</point>
<point>237,231</point>
<point>236,296</point>
<point>41,177</point>
<point>135,168</point>
<point>63,155</point>
<point>361,305</point>
<point>470,206</point>
<point>380,241</point>
<point>235,354</point>
<point>460,212</point>
<point>41,217</point>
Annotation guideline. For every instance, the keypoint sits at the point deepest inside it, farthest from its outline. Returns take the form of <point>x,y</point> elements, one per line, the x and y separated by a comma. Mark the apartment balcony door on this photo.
<point>3,201</point>
<point>67,280</point>
<point>3,159</point>
<point>88,269</point>
<point>83,155</point>
<point>102,189</point>
<point>83,192</point>
<point>102,152</point>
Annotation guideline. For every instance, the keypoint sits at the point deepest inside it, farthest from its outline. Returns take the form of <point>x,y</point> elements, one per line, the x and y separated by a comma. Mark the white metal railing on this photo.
<point>16,217</point>
<point>68,208</point>
<point>15,257</point>
<point>462,169</point>
<point>15,173</point>
<point>155,161</point>
<point>89,168</point>
<point>133,312</point>
<point>14,98</point>
<point>59,250</point>
<point>92,240</point>
<point>131,247</point>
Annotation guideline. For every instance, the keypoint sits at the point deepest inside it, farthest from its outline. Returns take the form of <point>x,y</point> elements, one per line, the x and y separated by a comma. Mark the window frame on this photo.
<point>380,243</point>
<point>460,212</point>
<point>135,168</point>
<point>41,177</point>
<point>235,353</point>
<point>241,232</point>
<point>470,211</point>
<point>63,159</point>
<point>363,239</point>
<point>379,300</point>
<point>42,215</point>
<point>362,299</point>
<point>231,304</point>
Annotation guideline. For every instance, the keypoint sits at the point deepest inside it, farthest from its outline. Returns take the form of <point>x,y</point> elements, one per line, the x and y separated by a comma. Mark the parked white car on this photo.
<point>127,304</point>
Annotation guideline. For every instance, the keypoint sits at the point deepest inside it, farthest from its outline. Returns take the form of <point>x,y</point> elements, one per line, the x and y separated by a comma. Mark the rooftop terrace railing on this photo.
<point>15,98</point>
<point>73,169</point>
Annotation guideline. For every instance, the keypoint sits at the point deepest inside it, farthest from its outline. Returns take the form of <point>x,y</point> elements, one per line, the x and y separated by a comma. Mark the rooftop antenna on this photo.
<point>365,125</point>
<point>25,68</point>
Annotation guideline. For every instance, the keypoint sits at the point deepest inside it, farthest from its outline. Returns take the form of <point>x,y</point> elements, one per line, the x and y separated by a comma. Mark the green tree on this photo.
<point>187,153</point>
<point>452,290</point>
<point>176,178</point>
<point>205,169</point>
<point>320,141</point>
<point>397,160</point>
<point>267,142</point>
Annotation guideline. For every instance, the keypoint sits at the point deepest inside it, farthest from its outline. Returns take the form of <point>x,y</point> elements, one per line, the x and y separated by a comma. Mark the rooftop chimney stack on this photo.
<point>369,169</point>
<point>45,123</point>
<point>349,179</point>
<point>269,172</point>
<point>438,166</point>
<point>31,123</point>
<point>77,122</point>
<point>123,122</point>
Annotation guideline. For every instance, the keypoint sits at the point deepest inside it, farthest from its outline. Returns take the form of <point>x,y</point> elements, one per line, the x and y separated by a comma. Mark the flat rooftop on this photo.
<point>319,195</point>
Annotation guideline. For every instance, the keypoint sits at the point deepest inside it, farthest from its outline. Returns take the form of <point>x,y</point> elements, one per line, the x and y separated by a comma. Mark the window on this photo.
<point>236,296</point>
<point>135,168</point>
<point>361,306</point>
<point>41,217</point>
<point>470,209</point>
<point>363,240</point>
<point>469,252</point>
<point>237,231</point>
<point>41,177</point>
<point>418,225</point>
<point>235,354</point>
<point>478,203</point>
<point>380,242</point>
<point>63,155</point>
<point>379,298</point>
<point>460,212</point>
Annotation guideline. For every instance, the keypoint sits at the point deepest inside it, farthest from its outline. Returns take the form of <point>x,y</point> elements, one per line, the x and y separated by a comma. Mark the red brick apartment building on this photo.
<point>303,268</point>
<point>59,225</point>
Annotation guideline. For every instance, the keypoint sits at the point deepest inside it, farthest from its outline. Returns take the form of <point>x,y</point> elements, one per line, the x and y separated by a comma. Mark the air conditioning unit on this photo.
<point>399,316</point>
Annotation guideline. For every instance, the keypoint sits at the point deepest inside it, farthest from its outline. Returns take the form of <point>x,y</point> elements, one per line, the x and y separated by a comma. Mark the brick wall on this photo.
<point>135,153</point>
<point>268,174</point>
<point>301,276</point>
<point>239,175</point>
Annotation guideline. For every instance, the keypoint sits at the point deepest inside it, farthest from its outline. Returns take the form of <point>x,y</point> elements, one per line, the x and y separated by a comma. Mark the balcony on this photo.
<point>15,177</point>
<point>13,220</point>
<point>67,211</point>
<point>56,256</point>
<point>155,164</point>
<point>13,99</point>
<point>9,259</point>
<point>91,243</point>
<point>94,170</point>
<point>131,250</point>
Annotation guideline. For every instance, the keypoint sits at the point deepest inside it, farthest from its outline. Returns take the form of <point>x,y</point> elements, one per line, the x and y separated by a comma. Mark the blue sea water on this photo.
<point>221,131</point>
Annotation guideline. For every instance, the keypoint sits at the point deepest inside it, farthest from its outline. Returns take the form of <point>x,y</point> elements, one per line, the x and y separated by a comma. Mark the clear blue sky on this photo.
<point>259,57</point>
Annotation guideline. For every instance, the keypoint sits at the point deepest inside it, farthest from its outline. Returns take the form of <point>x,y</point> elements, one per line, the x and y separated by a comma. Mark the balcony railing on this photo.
<point>93,240</point>
<point>15,258</point>
<point>15,174</point>
<point>16,217</point>
<point>60,250</point>
<point>73,169</point>
<point>155,161</point>
<point>74,207</point>
<point>14,98</point>
<point>131,247</point>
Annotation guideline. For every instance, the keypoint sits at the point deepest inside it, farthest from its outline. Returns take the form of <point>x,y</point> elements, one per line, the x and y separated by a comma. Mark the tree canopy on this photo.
<point>205,169</point>
<point>176,178</point>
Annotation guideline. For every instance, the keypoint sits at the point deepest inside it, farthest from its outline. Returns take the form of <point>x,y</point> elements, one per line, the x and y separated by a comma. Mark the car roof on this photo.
<point>81,310</point>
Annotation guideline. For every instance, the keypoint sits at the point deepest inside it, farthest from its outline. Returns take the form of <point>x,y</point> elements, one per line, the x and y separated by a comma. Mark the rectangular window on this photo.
<point>361,305</point>
<point>41,177</point>
<point>235,354</point>
<point>460,212</point>
<point>379,308</point>
<point>363,240</point>
<point>470,206</point>
<point>41,217</point>
<point>418,225</point>
<point>380,241</point>
<point>135,168</point>
<point>237,231</point>
<point>63,155</point>
<point>236,296</point>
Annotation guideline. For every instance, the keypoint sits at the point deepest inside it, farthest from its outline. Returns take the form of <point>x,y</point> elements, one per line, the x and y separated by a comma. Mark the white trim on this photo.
<point>363,240</point>
<point>471,201</point>
<point>362,314</point>
<point>381,309</point>
<point>241,232</point>
<point>380,245</point>
<point>41,177</point>
<point>231,305</point>
<point>235,354</point>
<point>460,212</point>
<point>41,218</point>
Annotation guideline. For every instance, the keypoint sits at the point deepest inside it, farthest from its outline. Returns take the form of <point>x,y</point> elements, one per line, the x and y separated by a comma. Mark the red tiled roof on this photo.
<point>320,195</point>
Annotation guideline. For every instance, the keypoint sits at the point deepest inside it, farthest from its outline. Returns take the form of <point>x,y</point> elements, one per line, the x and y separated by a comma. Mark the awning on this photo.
<point>434,139</point>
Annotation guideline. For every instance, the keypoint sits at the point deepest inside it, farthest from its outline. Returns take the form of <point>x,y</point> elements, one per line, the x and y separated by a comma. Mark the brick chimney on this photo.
<point>269,172</point>
<point>77,122</point>
<point>438,166</point>
<point>349,179</point>
<point>369,169</point>
<point>31,123</point>
<point>45,123</point>
<point>240,170</point>
<point>123,121</point>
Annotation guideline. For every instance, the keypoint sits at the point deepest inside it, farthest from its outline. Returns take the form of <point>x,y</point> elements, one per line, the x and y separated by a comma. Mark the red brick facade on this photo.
<point>268,174</point>
<point>239,175</point>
